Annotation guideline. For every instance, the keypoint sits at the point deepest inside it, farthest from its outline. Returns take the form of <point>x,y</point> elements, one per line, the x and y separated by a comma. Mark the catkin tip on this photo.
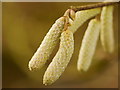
<point>78,68</point>
<point>31,67</point>
<point>47,82</point>
<point>81,70</point>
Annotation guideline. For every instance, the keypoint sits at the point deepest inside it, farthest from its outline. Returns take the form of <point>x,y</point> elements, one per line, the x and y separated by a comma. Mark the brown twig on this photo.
<point>92,6</point>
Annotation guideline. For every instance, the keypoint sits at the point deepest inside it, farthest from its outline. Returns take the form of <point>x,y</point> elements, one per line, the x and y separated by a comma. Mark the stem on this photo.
<point>92,6</point>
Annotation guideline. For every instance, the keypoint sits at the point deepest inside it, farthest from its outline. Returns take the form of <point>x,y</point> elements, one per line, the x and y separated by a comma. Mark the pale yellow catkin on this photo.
<point>82,16</point>
<point>70,22</point>
<point>48,44</point>
<point>107,34</point>
<point>88,46</point>
<point>61,59</point>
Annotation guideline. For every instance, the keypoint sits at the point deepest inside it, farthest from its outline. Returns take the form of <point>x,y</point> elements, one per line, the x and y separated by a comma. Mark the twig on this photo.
<point>92,6</point>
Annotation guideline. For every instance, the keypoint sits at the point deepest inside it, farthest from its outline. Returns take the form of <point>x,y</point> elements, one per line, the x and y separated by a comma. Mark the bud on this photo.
<point>72,14</point>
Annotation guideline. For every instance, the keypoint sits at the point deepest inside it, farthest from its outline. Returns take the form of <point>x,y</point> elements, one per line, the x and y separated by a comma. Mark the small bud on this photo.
<point>72,14</point>
<point>67,12</point>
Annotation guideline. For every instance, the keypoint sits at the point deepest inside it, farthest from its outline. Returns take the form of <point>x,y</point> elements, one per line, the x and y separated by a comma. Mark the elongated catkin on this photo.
<point>88,46</point>
<point>47,45</point>
<point>61,59</point>
<point>107,35</point>
<point>83,16</point>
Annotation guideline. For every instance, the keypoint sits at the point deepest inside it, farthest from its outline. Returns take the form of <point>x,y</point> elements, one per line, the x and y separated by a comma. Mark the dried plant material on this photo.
<point>72,14</point>
<point>92,6</point>
<point>61,59</point>
<point>107,35</point>
<point>83,16</point>
<point>48,44</point>
<point>88,46</point>
<point>67,12</point>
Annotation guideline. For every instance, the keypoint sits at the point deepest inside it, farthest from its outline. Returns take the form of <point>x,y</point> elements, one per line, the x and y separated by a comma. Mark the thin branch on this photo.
<point>92,6</point>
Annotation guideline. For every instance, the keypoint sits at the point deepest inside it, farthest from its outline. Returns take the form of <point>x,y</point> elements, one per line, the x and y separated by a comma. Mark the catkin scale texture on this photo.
<point>61,59</point>
<point>88,46</point>
<point>83,16</point>
<point>107,35</point>
<point>48,44</point>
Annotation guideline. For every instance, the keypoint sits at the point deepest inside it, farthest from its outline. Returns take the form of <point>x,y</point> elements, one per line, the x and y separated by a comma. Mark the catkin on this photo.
<point>107,35</point>
<point>88,46</point>
<point>83,16</point>
<point>48,44</point>
<point>61,59</point>
<point>70,22</point>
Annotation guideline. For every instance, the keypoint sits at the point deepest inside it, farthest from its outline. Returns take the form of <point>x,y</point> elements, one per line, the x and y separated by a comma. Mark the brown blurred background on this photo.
<point>24,27</point>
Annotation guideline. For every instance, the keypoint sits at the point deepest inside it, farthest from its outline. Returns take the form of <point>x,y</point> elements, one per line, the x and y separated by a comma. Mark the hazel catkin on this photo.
<point>61,59</point>
<point>88,46</point>
<point>48,44</point>
<point>106,34</point>
<point>82,16</point>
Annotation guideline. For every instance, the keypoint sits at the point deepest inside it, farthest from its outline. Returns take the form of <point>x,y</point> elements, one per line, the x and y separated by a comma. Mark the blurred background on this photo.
<point>24,27</point>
